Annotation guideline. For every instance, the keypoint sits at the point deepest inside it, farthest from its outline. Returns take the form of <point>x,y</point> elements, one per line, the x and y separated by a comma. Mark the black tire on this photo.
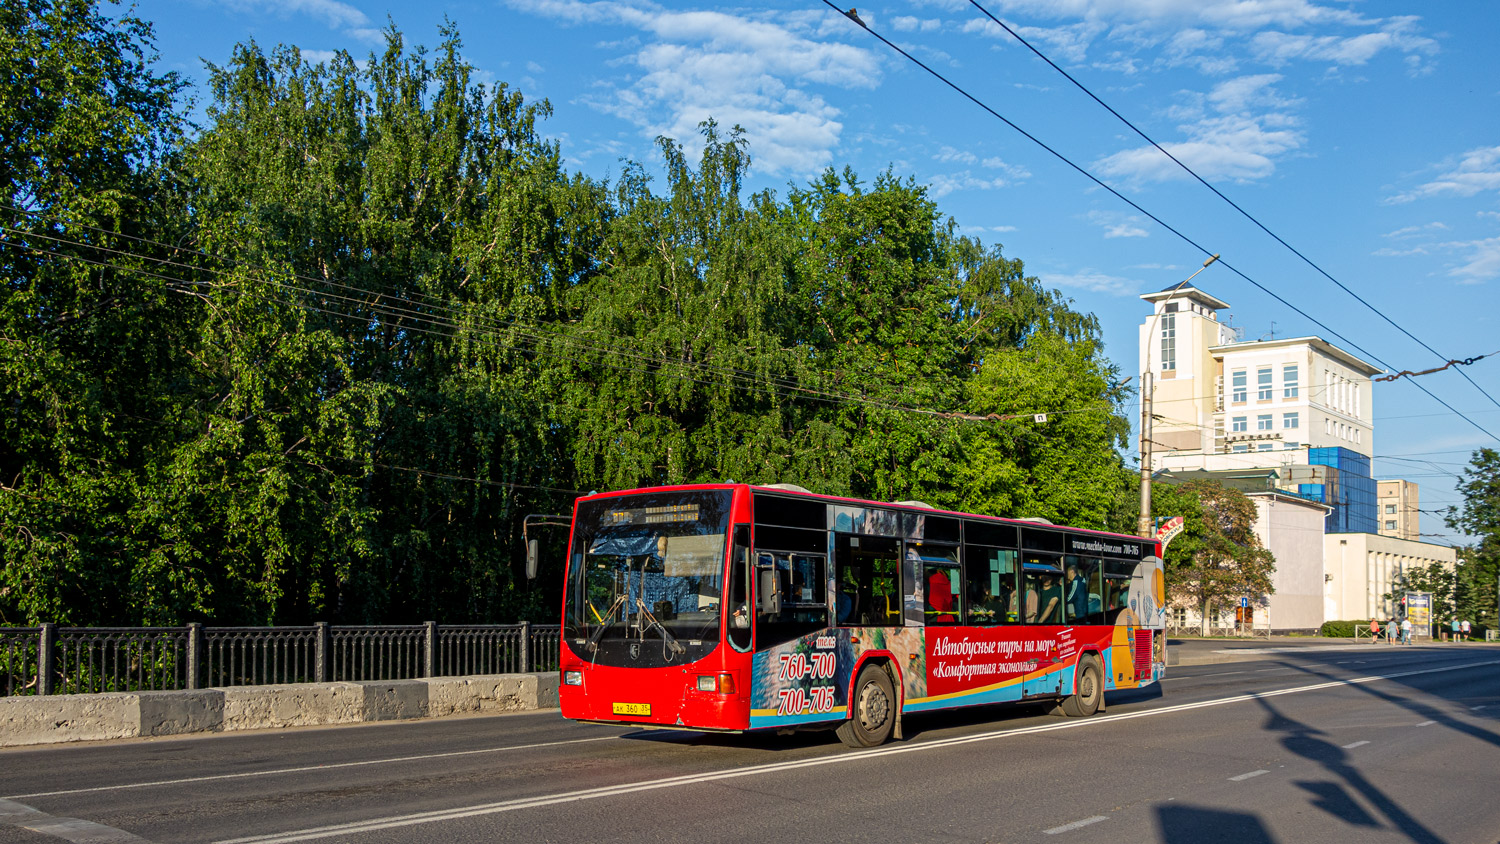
<point>872,710</point>
<point>1088,689</point>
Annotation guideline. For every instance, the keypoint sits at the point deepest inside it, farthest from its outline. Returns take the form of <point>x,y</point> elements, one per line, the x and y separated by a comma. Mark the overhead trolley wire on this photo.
<point>1154,218</point>
<point>1246,214</point>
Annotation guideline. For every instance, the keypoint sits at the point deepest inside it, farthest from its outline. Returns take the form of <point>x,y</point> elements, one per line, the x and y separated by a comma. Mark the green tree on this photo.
<point>90,347</point>
<point>1217,559</point>
<point>1478,517</point>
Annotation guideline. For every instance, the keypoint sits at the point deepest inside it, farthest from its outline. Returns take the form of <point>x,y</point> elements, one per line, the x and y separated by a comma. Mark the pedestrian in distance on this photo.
<point>1374,630</point>
<point>1453,628</point>
<point>1464,629</point>
<point>1392,631</point>
<point>1406,631</point>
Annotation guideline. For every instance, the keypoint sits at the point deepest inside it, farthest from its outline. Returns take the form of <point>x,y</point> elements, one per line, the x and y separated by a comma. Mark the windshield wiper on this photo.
<point>604,624</point>
<point>665,634</point>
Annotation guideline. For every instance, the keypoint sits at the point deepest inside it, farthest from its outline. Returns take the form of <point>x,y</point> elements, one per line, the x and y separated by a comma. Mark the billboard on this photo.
<point>1419,610</point>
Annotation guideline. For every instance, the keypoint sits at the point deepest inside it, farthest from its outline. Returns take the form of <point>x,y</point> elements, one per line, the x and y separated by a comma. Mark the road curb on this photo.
<point>53,719</point>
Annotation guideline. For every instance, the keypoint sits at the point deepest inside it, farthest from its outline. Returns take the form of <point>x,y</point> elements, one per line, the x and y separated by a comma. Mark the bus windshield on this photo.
<point>648,567</point>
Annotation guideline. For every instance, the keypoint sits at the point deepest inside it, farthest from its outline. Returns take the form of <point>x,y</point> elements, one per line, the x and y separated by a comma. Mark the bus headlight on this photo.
<point>572,677</point>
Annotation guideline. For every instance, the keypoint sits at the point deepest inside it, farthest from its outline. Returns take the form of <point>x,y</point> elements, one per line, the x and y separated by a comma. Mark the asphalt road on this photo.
<point>1368,744</point>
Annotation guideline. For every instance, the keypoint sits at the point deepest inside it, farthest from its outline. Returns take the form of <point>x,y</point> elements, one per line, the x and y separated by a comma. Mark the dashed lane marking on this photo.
<point>1356,744</point>
<point>1426,723</point>
<point>1243,777</point>
<point>542,800</point>
<point>1069,827</point>
<point>69,829</point>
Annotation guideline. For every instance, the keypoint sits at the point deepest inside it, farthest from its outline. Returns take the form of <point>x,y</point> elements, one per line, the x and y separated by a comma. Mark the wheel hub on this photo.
<point>874,707</point>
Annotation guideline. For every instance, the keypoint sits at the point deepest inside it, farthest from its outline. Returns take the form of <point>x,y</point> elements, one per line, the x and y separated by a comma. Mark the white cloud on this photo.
<point>1277,48</point>
<point>994,229</point>
<point>1092,281</point>
<point>907,23</point>
<point>949,154</point>
<point>1118,225</point>
<point>1251,127</point>
<point>1475,171</point>
<point>1482,262</point>
<point>945,183</point>
<point>335,15</point>
<point>755,71</point>
<point>1411,231</point>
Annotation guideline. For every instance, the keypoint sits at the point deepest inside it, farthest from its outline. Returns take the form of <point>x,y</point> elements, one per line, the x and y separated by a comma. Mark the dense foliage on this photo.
<point>1477,578</point>
<point>318,358</point>
<point>1217,559</point>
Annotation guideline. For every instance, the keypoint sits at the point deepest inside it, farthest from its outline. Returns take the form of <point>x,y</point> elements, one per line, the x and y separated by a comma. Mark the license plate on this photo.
<point>632,709</point>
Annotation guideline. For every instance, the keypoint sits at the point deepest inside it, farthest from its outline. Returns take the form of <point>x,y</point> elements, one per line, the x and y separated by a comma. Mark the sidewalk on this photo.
<point>1191,651</point>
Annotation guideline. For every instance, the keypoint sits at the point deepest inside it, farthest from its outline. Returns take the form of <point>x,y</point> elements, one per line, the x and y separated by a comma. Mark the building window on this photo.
<point>1238,423</point>
<point>1265,446</point>
<point>1328,426</point>
<point>1238,382</point>
<point>1288,420</point>
<point>1390,524</point>
<point>1289,381</point>
<point>1263,422</point>
<point>1263,389</point>
<point>1390,509</point>
<point>1291,444</point>
<point>1241,448</point>
<point>1168,342</point>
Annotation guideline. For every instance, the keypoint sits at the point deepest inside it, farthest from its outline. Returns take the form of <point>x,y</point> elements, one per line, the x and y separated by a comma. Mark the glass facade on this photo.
<point>1349,490</point>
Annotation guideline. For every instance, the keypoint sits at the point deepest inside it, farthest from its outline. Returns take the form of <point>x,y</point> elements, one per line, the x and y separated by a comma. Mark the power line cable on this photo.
<point>421,323</point>
<point>1246,214</point>
<point>1154,218</point>
<point>788,386</point>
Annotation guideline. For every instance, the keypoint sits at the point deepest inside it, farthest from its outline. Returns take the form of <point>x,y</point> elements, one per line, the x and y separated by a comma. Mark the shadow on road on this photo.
<point>1333,796</point>
<point>1425,710</point>
<point>1194,825</point>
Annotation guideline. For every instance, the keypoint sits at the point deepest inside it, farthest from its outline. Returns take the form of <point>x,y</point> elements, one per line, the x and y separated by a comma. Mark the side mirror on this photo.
<point>531,559</point>
<point>768,593</point>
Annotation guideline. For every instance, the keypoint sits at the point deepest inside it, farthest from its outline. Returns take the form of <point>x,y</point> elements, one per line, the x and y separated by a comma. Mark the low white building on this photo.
<point>1292,529</point>
<point>1362,567</point>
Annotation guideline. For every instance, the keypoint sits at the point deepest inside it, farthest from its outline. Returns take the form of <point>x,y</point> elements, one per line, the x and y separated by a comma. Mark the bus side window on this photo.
<point>739,590</point>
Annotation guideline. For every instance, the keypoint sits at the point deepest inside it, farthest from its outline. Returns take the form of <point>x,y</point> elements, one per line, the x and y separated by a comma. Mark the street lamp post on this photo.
<point>1145,527</point>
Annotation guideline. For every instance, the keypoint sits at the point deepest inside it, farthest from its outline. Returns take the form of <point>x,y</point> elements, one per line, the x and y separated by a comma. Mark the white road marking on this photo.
<point>395,821</point>
<point>1476,708</point>
<point>1243,777</point>
<point>1069,827</point>
<point>1426,723</point>
<point>68,829</point>
<point>307,768</point>
<point>1356,744</point>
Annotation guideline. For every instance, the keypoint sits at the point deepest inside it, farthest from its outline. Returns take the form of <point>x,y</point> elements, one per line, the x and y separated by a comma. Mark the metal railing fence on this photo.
<point>84,660</point>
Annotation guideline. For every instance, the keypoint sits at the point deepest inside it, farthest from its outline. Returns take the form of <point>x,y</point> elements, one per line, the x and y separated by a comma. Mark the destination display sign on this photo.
<point>1103,546</point>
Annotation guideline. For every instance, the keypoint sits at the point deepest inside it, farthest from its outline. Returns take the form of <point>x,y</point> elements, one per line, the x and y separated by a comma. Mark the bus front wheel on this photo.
<point>872,710</point>
<point>1088,690</point>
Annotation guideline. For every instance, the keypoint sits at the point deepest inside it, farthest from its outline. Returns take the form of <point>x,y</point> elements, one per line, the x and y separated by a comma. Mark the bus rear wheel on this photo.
<point>1088,691</point>
<point>872,710</point>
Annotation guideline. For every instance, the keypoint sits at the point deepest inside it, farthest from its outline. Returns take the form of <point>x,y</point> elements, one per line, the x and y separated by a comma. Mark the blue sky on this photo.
<point>1366,134</point>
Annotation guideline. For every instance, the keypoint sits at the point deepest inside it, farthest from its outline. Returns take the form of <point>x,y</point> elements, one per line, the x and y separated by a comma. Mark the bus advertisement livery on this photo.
<point>734,608</point>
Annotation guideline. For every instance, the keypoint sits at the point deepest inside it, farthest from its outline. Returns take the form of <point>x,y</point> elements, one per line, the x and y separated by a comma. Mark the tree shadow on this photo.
<point>1193,825</point>
<point>1416,707</point>
<point>1308,742</point>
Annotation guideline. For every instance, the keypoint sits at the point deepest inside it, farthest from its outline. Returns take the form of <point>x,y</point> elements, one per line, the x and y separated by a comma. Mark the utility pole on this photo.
<point>1145,527</point>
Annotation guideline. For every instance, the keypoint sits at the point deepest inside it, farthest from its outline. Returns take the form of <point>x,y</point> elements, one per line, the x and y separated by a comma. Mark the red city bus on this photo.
<point>731,607</point>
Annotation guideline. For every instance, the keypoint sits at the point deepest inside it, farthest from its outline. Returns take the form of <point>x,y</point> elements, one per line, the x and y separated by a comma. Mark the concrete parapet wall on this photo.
<point>63,718</point>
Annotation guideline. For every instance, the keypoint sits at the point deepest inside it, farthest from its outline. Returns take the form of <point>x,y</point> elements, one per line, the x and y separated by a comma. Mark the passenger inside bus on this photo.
<point>941,602</point>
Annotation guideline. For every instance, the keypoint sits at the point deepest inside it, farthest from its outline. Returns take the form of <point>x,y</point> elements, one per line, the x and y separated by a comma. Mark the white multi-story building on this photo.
<point>1225,404</point>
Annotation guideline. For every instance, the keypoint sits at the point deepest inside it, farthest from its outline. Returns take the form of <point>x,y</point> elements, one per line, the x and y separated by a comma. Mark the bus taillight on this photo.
<point>721,683</point>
